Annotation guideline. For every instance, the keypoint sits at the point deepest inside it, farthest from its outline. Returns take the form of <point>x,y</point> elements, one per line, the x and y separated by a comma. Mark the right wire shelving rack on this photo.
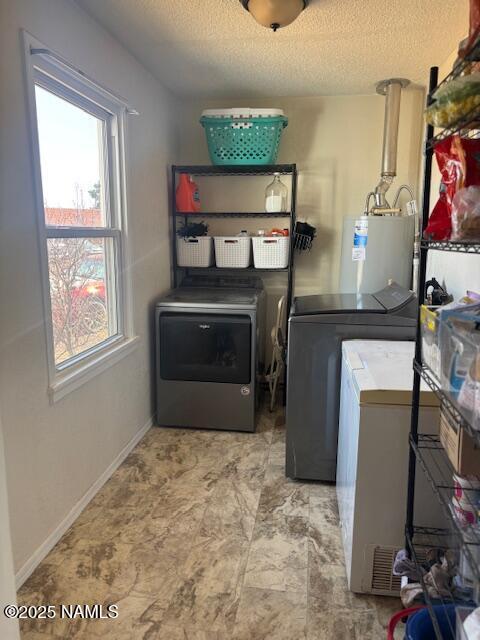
<point>426,453</point>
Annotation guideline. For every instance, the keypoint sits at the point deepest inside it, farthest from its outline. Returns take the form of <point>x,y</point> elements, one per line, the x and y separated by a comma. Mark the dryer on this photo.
<point>209,353</point>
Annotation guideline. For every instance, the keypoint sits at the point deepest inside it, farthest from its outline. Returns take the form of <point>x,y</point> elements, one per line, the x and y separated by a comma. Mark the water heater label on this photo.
<point>360,238</point>
<point>411,207</point>
<point>358,254</point>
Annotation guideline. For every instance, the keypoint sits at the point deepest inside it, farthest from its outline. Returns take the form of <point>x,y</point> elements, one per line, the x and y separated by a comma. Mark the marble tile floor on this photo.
<point>199,536</point>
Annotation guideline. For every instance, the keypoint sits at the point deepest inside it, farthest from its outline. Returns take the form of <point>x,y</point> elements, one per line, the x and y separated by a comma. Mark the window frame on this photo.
<point>52,73</point>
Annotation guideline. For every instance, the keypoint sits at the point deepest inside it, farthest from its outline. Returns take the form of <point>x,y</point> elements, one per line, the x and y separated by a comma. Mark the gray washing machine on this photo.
<point>317,327</point>
<point>209,352</point>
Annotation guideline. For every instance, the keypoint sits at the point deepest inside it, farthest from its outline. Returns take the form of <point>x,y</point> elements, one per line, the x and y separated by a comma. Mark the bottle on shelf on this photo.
<point>187,197</point>
<point>276,195</point>
<point>280,232</point>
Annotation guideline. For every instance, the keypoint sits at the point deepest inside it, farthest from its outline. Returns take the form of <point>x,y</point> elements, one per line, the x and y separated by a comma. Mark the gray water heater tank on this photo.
<point>388,254</point>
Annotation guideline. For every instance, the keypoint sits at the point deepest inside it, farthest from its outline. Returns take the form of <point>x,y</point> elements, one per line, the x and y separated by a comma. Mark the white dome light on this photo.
<point>275,14</point>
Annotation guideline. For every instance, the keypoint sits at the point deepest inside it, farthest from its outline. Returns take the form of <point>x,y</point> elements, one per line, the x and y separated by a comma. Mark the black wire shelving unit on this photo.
<point>462,125</point>
<point>236,169</point>
<point>449,406</point>
<point>466,123</point>
<point>421,542</point>
<point>241,171</point>
<point>436,467</point>
<point>457,247</point>
<point>234,214</point>
<point>427,454</point>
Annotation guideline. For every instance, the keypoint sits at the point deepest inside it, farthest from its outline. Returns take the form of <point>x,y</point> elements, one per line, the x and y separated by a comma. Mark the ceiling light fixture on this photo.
<point>275,14</point>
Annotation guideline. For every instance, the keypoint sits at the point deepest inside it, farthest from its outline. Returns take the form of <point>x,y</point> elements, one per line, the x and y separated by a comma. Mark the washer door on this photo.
<point>205,347</point>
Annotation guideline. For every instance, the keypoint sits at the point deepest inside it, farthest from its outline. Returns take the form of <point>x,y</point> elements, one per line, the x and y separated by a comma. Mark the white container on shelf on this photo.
<point>233,252</point>
<point>271,252</point>
<point>276,195</point>
<point>195,252</point>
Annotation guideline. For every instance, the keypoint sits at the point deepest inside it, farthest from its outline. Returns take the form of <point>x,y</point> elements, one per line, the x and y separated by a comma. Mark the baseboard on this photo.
<point>32,563</point>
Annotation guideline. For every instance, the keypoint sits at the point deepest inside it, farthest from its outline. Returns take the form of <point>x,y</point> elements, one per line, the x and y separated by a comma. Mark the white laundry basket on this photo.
<point>233,252</point>
<point>271,252</point>
<point>195,252</point>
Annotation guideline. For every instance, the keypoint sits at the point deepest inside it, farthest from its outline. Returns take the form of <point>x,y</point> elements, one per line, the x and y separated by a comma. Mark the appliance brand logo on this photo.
<point>245,391</point>
<point>204,326</point>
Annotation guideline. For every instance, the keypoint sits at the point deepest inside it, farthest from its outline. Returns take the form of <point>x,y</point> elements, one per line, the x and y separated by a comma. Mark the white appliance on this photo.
<point>372,464</point>
<point>388,254</point>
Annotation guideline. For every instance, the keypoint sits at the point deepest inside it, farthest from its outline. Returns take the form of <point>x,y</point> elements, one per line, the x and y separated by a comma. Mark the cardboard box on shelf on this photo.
<point>460,448</point>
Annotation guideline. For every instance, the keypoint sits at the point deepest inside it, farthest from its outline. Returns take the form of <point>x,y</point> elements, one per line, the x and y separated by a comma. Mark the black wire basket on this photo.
<point>303,236</point>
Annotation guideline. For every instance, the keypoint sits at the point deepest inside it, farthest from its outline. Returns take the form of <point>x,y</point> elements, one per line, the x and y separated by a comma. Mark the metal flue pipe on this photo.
<point>392,90</point>
<point>390,128</point>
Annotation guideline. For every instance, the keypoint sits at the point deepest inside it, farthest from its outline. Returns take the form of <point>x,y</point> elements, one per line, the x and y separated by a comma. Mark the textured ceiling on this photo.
<point>214,48</point>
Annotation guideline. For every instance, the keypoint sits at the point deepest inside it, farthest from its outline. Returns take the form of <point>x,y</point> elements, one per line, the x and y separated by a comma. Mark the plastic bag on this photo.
<point>458,88</point>
<point>474,28</point>
<point>448,112</point>
<point>451,162</point>
<point>454,100</point>
<point>471,149</point>
<point>466,215</point>
<point>459,162</point>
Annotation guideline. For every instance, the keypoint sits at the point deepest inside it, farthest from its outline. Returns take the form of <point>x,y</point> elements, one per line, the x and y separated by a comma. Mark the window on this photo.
<point>78,164</point>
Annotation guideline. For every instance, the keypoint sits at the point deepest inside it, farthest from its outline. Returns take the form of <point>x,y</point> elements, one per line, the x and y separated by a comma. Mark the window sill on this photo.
<point>71,379</point>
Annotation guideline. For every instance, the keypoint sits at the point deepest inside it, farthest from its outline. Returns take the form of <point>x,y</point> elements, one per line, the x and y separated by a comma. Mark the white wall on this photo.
<point>336,142</point>
<point>457,271</point>
<point>8,627</point>
<point>55,453</point>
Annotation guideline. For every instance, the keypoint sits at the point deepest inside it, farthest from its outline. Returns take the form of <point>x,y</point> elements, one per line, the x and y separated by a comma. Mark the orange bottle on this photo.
<point>187,197</point>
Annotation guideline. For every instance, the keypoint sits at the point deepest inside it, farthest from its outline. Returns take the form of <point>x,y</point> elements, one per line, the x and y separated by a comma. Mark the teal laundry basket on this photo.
<point>243,136</point>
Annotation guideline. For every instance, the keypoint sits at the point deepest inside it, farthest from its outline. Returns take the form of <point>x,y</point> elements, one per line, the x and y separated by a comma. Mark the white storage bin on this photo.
<point>271,252</point>
<point>195,252</point>
<point>233,252</point>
